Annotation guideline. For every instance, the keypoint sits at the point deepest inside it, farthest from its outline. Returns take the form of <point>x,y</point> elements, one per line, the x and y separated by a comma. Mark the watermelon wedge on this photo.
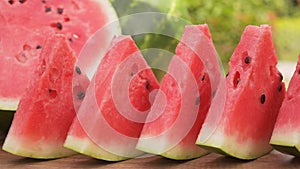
<point>46,110</point>
<point>113,112</point>
<point>243,113</point>
<point>180,107</point>
<point>286,137</point>
<point>30,22</point>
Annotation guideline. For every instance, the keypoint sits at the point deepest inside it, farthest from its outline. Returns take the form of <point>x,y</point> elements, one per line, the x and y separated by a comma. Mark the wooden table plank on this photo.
<point>274,160</point>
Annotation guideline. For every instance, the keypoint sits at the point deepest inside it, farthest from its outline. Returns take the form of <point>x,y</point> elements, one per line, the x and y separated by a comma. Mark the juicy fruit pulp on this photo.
<point>180,107</point>
<point>285,137</point>
<point>113,112</point>
<point>243,114</point>
<point>24,26</point>
<point>46,109</point>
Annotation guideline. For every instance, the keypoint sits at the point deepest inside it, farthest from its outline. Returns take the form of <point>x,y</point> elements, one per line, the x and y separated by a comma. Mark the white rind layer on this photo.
<point>18,146</point>
<point>285,136</point>
<point>87,147</point>
<point>229,145</point>
<point>178,152</point>
<point>185,153</point>
<point>10,104</point>
<point>108,8</point>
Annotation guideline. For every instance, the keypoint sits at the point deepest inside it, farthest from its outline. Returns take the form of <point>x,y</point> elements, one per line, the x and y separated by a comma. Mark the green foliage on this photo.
<point>227,19</point>
<point>286,37</point>
<point>164,28</point>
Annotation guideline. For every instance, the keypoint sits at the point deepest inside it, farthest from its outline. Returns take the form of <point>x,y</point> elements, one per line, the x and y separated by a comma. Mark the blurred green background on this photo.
<point>226,20</point>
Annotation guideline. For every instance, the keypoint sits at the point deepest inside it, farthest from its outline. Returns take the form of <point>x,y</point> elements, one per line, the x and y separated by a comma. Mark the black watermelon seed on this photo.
<point>22,1</point>
<point>59,26</point>
<point>262,98</point>
<point>197,102</point>
<point>299,71</point>
<point>80,95</point>
<point>78,71</point>
<point>247,59</point>
<point>38,47</point>
<point>70,40</point>
<point>11,2</point>
<point>280,88</point>
<point>227,74</point>
<point>48,9</point>
<point>43,1</point>
<point>281,77</point>
<point>203,77</point>
<point>60,10</point>
<point>147,84</point>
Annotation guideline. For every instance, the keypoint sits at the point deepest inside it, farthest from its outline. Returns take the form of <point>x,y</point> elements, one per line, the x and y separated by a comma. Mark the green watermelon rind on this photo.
<point>10,104</point>
<point>220,151</point>
<point>91,149</point>
<point>24,152</point>
<point>290,150</point>
<point>281,144</point>
<point>225,145</point>
<point>183,155</point>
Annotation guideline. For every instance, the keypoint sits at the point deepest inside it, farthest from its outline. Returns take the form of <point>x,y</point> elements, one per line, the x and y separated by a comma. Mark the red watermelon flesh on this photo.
<point>285,137</point>
<point>180,107</point>
<point>113,112</point>
<point>24,26</point>
<point>46,110</point>
<point>241,119</point>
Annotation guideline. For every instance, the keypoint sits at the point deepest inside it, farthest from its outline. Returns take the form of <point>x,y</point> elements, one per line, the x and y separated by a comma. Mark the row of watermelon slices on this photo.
<point>123,111</point>
<point>235,115</point>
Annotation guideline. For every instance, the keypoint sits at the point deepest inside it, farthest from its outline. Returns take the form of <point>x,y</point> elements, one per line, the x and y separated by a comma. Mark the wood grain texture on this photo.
<point>274,160</point>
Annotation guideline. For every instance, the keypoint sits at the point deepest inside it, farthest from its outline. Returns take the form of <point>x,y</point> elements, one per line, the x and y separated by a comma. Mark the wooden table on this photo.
<point>274,160</point>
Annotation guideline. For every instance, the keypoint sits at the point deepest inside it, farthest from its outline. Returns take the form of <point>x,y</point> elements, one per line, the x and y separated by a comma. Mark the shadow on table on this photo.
<point>226,162</point>
<point>24,161</point>
<point>209,161</point>
<point>293,163</point>
<point>77,161</point>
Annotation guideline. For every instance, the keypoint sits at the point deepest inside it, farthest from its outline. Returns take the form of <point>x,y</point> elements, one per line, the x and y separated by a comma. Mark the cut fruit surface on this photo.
<point>177,114</point>
<point>24,27</point>
<point>286,137</point>
<point>113,112</point>
<point>242,115</point>
<point>46,110</point>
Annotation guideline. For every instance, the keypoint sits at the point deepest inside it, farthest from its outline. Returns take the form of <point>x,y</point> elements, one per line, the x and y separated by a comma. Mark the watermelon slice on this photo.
<point>180,107</point>
<point>24,26</point>
<point>243,113</point>
<point>113,112</point>
<point>46,110</point>
<point>286,137</point>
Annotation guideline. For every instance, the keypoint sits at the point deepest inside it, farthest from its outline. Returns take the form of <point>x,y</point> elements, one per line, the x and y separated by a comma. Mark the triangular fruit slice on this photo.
<point>183,100</point>
<point>244,111</point>
<point>112,114</point>
<point>46,110</point>
<point>30,23</point>
<point>286,133</point>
